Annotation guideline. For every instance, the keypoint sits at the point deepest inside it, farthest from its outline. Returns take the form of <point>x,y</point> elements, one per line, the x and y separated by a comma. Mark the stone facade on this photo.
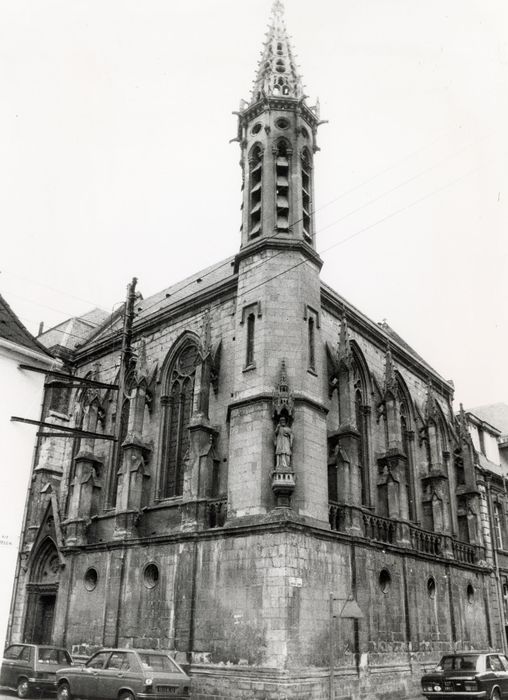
<point>251,444</point>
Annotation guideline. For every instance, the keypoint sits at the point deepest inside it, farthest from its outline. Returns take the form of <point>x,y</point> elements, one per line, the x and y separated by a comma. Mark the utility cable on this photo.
<point>350,213</point>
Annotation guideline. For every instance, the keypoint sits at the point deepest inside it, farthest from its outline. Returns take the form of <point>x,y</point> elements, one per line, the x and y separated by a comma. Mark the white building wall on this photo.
<point>21,394</point>
<point>491,448</point>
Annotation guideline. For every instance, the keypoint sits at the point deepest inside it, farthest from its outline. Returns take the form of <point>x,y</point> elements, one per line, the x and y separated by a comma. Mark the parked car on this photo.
<point>125,674</point>
<point>468,675</point>
<point>29,667</point>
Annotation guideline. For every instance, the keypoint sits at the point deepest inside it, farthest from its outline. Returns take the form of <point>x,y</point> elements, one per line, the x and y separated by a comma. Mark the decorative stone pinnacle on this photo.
<point>344,353</point>
<point>430,403</point>
<point>390,380</point>
<point>141,364</point>
<point>206,334</point>
<point>283,400</point>
<point>277,7</point>
<point>463,429</point>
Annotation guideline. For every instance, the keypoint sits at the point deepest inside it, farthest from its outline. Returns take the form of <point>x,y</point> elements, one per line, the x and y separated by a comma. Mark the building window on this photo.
<point>499,525</point>
<point>177,411</point>
<point>282,186</point>
<point>249,355</point>
<point>312,344</point>
<point>151,575</point>
<point>306,196</point>
<point>255,191</point>
<point>91,578</point>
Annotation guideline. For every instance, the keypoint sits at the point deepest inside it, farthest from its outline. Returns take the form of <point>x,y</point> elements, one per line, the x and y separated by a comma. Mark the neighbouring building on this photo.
<point>249,445</point>
<point>21,394</point>
<point>62,339</point>
<point>492,473</point>
<point>496,414</point>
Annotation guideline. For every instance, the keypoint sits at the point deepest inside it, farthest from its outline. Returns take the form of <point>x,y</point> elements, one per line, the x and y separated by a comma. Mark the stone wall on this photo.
<point>252,604</point>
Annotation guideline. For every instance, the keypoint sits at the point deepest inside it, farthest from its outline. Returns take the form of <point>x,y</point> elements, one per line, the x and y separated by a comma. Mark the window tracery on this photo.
<point>177,410</point>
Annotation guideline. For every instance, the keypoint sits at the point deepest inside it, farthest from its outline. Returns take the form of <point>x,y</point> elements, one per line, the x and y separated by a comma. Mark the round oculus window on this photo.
<point>151,575</point>
<point>91,578</point>
<point>282,123</point>
<point>256,128</point>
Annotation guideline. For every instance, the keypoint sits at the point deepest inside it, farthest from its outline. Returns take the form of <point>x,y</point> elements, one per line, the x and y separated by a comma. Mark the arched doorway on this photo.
<point>42,591</point>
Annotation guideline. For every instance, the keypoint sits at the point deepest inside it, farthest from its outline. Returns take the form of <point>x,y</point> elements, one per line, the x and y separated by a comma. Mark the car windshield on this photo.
<point>158,662</point>
<point>458,663</point>
<point>47,655</point>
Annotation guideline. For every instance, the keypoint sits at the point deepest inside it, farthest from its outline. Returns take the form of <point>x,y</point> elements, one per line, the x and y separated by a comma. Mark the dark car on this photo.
<point>125,674</point>
<point>468,675</point>
<point>29,667</point>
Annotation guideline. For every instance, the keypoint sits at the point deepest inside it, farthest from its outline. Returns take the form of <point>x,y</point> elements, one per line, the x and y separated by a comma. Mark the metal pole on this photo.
<point>331,693</point>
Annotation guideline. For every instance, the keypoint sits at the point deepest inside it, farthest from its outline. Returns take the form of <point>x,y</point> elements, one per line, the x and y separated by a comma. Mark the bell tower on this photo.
<point>277,133</point>
<point>277,337</point>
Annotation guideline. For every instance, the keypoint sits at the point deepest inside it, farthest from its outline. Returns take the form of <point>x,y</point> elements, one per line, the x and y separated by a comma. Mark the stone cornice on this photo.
<point>280,526</point>
<point>268,398</point>
<point>280,103</point>
<point>274,243</point>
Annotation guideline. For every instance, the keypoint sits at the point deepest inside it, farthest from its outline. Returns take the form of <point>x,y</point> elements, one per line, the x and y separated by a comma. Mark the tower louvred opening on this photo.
<point>255,191</point>
<point>282,186</point>
<point>306,196</point>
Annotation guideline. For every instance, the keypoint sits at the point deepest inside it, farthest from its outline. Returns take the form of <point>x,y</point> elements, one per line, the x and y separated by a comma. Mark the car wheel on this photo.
<point>64,692</point>
<point>126,695</point>
<point>495,694</point>
<point>23,689</point>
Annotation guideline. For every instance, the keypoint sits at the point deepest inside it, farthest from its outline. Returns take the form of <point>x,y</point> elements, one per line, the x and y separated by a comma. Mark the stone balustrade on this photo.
<point>402,533</point>
<point>216,511</point>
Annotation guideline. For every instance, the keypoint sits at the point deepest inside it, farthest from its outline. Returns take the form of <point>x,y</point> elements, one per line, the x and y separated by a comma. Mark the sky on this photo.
<point>116,161</point>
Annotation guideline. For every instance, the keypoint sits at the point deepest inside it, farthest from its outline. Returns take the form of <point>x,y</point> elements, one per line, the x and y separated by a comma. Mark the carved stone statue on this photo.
<point>283,445</point>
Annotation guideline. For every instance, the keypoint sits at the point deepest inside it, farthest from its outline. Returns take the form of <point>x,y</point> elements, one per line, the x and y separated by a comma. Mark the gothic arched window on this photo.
<point>177,410</point>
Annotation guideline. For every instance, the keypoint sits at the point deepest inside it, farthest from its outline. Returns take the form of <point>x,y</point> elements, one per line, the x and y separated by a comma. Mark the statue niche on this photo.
<point>282,476</point>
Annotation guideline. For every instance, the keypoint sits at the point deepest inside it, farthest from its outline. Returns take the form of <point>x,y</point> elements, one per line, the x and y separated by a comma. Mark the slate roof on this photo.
<point>210,277</point>
<point>14,331</point>
<point>73,331</point>
<point>197,283</point>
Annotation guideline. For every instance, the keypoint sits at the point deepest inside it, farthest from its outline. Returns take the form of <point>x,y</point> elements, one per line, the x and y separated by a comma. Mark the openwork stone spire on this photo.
<point>277,74</point>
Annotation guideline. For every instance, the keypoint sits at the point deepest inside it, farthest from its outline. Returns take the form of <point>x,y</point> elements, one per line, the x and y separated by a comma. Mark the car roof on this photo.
<point>140,651</point>
<point>472,653</point>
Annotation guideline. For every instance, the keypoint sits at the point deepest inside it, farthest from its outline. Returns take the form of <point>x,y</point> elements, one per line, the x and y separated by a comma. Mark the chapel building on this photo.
<point>248,454</point>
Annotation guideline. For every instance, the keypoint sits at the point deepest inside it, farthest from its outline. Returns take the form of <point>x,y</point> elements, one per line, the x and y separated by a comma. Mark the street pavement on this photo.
<point>8,695</point>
